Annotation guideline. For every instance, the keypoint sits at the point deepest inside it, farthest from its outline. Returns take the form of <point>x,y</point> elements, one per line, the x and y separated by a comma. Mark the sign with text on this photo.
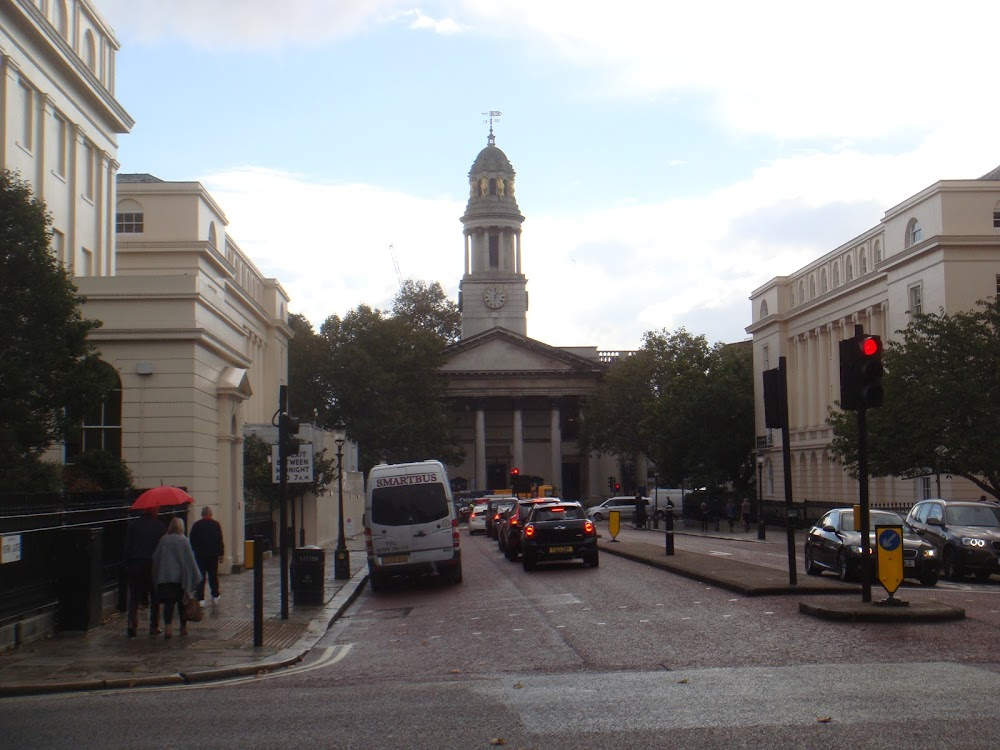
<point>11,549</point>
<point>300,466</point>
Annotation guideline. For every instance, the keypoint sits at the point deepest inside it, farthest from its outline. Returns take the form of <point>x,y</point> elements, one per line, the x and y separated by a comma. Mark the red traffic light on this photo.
<point>871,346</point>
<point>515,472</point>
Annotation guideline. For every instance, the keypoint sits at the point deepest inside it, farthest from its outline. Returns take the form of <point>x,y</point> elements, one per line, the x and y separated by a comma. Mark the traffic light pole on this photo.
<point>283,496</point>
<point>865,520</point>
<point>786,458</point>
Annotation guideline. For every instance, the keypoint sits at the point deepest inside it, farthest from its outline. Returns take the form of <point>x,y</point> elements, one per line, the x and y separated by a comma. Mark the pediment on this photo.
<point>499,350</point>
<point>234,381</point>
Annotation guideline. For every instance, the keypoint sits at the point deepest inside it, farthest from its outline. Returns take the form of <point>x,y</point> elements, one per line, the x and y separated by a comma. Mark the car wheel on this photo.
<point>844,567</point>
<point>982,575</point>
<point>594,560</point>
<point>929,579</point>
<point>510,554</point>
<point>812,569</point>
<point>950,567</point>
<point>598,517</point>
<point>528,561</point>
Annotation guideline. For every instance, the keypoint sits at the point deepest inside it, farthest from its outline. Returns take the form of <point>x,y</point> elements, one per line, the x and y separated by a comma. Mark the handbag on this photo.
<point>192,609</point>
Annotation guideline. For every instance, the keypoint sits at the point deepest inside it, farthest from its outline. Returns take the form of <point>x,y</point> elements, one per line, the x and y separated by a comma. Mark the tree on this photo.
<point>426,307</point>
<point>48,373</point>
<point>942,402</point>
<point>260,490</point>
<point>308,357</point>
<point>686,406</point>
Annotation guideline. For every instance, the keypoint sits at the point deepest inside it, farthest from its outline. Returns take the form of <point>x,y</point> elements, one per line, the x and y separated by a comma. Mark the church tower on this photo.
<point>493,290</point>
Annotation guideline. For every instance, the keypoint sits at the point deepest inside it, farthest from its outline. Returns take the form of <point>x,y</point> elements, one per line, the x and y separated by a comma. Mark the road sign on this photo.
<point>614,523</point>
<point>300,465</point>
<point>889,556</point>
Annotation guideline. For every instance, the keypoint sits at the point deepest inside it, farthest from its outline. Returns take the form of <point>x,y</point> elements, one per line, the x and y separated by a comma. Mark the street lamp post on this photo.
<point>761,534</point>
<point>342,558</point>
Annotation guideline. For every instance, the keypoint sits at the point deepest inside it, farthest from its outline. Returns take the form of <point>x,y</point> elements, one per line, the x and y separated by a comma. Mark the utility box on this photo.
<point>81,558</point>
<point>308,574</point>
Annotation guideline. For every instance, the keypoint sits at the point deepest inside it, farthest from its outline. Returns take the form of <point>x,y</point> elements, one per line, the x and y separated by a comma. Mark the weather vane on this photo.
<point>493,115</point>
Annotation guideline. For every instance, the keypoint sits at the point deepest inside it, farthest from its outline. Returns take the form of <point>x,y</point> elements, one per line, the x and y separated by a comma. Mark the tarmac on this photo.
<point>220,646</point>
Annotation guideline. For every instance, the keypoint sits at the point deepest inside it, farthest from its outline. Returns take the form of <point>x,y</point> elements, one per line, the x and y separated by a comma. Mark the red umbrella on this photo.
<point>158,496</point>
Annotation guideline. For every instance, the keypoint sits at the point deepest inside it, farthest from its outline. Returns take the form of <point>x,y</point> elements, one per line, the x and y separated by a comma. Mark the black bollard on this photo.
<point>258,591</point>
<point>668,525</point>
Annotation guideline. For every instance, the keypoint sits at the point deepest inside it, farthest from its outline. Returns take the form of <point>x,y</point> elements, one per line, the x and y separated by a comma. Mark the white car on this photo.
<point>625,504</point>
<point>477,519</point>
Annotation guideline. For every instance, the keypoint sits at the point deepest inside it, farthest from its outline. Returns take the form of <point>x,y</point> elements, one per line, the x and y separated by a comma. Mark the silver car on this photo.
<point>625,504</point>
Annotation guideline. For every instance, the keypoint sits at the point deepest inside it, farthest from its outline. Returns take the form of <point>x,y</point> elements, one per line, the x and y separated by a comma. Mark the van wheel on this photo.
<point>456,575</point>
<point>377,582</point>
<point>598,517</point>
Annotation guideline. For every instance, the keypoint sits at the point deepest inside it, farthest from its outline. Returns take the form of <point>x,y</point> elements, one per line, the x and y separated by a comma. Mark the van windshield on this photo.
<point>409,504</point>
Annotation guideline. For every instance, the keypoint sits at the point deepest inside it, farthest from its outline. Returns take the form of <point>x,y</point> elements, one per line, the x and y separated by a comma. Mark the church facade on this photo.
<point>519,402</point>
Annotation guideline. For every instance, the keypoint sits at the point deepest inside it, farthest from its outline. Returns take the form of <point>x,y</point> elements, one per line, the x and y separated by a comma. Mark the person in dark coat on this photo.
<point>209,550</point>
<point>141,538</point>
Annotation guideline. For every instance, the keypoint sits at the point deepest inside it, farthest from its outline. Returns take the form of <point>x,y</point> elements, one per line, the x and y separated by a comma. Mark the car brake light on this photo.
<point>529,531</point>
<point>557,510</point>
<point>513,522</point>
<point>588,528</point>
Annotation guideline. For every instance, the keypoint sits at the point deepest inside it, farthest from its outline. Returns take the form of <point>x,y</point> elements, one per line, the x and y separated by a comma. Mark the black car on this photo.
<point>558,531</point>
<point>496,507</point>
<point>833,544</point>
<point>966,533</point>
<point>510,528</point>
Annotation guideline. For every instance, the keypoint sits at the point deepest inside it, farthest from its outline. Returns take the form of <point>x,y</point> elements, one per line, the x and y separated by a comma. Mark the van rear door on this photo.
<point>411,523</point>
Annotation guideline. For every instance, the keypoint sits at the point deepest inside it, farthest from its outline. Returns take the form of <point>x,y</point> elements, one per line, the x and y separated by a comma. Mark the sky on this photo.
<point>670,157</point>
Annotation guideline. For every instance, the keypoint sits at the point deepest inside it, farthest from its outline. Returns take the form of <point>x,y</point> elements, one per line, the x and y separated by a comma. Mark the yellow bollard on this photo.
<point>248,554</point>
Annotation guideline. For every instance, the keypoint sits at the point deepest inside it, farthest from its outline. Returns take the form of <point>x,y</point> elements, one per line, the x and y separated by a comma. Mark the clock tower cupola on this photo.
<point>493,290</point>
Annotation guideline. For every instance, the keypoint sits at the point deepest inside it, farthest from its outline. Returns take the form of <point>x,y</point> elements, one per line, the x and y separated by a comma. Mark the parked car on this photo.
<point>558,531</point>
<point>625,504</point>
<point>833,544</point>
<point>477,519</point>
<point>966,533</point>
<point>513,522</point>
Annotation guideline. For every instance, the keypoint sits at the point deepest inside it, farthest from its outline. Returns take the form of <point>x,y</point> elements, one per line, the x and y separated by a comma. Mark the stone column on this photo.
<point>555,438</point>
<point>481,477</point>
<point>518,434</point>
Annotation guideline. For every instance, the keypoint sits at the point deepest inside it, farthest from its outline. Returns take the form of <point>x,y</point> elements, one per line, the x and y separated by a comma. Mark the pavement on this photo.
<point>221,646</point>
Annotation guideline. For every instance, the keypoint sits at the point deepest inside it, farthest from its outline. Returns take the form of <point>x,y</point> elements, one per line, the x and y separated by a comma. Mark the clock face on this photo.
<point>494,297</point>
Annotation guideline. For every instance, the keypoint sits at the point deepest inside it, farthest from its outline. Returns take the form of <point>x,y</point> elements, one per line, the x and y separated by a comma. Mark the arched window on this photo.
<point>212,239</point>
<point>129,218</point>
<point>878,252</point>
<point>90,50</point>
<point>913,233</point>
<point>812,286</point>
<point>493,186</point>
<point>863,262</point>
<point>823,285</point>
<point>848,268</point>
<point>836,275</point>
<point>61,20</point>
<point>763,308</point>
<point>101,427</point>
<point>802,292</point>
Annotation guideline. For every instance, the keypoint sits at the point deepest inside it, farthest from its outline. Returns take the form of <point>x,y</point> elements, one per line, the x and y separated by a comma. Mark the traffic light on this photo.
<point>861,372</point>
<point>617,486</point>
<point>288,428</point>
<point>515,472</point>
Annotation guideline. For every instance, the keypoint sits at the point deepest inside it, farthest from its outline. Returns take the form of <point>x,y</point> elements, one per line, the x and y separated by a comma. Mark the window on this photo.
<point>848,268</point>
<point>913,233</point>
<point>766,356</point>
<point>823,285</point>
<point>494,251</point>
<point>812,286</point>
<point>493,186</point>
<point>62,19</point>
<point>998,286</point>
<point>802,292</point>
<point>924,488</point>
<point>90,50</point>
<point>916,299</point>
<point>878,252</point>
<point>836,275</point>
<point>27,96</point>
<point>863,262</point>
<point>212,239</point>
<point>59,246</point>
<point>101,428</point>
<point>60,138</point>
<point>763,306</point>
<point>129,222</point>
<point>86,265</point>
<point>88,171</point>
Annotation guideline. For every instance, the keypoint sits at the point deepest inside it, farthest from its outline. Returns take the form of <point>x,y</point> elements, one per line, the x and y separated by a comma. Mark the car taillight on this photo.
<point>472,515</point>
<point>513,522</point>
<point>455,536</point>
<point>529,531</point>
<point>369,547</point>
<point>588,528</point>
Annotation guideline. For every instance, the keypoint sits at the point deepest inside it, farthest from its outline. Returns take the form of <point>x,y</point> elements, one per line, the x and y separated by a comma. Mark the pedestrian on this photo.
<point>704,516</point>
<point>746,513</point>
<point>730,513</point>
<point>141,538</point>
<point>175,572</point>
<point>209,551</point>
<point>640,511</point>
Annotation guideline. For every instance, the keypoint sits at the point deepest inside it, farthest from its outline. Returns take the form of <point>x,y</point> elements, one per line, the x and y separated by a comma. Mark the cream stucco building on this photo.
<point>519,402</point>
<point>938,249</point>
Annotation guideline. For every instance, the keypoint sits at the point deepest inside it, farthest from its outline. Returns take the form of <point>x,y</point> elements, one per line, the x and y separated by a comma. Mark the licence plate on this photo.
<point>909,563</point>
<point>560,550</point>
<point>394,559</point>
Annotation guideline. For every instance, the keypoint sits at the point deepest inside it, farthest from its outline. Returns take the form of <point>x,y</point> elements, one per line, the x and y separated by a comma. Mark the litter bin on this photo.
<point>308,564</point>
<point>81,558</point>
